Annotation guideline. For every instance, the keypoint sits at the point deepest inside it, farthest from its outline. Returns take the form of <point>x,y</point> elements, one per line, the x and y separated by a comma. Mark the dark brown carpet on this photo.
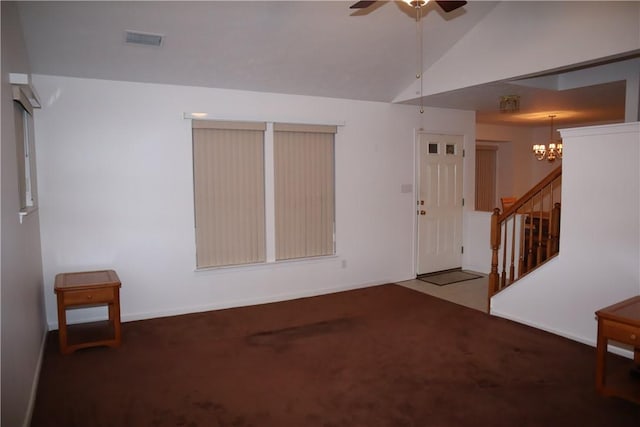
<point>381,356</point>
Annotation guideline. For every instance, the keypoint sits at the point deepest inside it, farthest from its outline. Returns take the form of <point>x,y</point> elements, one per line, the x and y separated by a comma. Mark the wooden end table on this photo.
<point>87,289</point>
<point>619,322</point>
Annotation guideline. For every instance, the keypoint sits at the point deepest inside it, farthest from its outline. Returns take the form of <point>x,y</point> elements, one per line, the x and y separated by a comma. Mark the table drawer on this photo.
<point>92,296</point>
<point>623,333</point>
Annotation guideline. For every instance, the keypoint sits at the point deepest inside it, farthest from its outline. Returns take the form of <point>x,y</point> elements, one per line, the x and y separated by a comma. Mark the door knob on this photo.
<point>423,212</point>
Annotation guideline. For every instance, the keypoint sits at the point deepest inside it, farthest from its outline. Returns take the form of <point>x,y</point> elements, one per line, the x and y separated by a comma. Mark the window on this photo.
<point>485,177</point>
<point>228,164</point>
<point>304,190</point>
<point>26,152</point>
<point>232,196</point>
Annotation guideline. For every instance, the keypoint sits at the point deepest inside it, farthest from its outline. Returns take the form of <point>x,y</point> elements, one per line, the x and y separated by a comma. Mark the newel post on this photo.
<point>495,246</point>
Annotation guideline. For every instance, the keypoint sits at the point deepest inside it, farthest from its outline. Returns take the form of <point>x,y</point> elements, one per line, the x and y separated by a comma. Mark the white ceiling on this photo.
<point>319,48</point>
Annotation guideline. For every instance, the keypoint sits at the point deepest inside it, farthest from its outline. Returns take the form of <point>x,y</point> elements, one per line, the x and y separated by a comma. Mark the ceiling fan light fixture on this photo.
<point>445,5</point>
<point>416,3</point>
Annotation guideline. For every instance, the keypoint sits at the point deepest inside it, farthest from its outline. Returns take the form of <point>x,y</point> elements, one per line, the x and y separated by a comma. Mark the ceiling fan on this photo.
<point>447,6</point>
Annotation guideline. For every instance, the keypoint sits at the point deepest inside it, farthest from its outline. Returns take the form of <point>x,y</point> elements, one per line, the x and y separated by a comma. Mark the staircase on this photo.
<point>527,234</point>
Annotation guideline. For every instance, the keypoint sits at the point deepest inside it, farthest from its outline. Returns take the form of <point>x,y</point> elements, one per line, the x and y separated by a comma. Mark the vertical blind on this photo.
<point>485,178</point>
<point>304,190</point>
<point>228,163</point>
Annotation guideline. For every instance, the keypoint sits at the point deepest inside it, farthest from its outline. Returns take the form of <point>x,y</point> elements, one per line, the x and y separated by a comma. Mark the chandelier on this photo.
<point>553,151</point>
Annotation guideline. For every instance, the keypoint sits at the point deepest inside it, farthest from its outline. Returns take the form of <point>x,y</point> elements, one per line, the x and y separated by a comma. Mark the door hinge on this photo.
<point>463,201</point>
<point>461,249</point>
<point>463,152</point>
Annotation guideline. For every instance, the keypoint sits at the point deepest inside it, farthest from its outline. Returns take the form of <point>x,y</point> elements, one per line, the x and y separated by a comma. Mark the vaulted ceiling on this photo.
<point>319,48</point>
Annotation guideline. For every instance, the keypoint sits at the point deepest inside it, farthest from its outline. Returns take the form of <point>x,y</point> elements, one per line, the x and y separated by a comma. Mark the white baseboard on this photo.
<point>590,342</point>
<point>35,382</point>
<point>247,302</point>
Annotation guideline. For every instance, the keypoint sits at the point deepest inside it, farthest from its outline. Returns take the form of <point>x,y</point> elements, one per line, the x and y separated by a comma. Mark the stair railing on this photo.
<point>528,231</point>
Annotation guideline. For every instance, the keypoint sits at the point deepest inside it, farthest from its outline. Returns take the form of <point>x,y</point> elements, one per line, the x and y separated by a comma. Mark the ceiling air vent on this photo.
<point>147,39</point>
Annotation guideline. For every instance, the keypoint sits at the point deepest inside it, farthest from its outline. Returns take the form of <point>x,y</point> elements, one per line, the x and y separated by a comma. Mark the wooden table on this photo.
<point>619,322</point>
<point>87,289</point>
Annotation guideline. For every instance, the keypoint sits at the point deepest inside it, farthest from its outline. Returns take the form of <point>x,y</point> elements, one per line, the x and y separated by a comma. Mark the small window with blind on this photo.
<point>230,192</point>
<point>304,190</point>
<point>228,167</point>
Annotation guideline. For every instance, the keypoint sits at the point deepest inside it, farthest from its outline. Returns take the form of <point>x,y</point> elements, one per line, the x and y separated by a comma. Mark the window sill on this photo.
<point>26,212</point>
<point>268,264</point>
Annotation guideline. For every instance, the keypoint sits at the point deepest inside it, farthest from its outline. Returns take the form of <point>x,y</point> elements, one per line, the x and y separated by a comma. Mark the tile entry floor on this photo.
<point>470,293</point>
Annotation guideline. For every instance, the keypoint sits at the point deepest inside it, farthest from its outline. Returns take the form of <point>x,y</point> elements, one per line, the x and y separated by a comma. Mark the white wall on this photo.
<point>116,192</point>
<point>23,324</point>
<point>599,259</point>
<point>477,251</point>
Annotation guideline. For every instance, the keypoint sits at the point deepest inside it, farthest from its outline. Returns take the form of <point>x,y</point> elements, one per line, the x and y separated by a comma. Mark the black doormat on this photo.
<point>447,277</point>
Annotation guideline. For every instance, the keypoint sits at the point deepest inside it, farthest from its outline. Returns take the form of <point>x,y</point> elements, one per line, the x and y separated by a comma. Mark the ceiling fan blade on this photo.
<point>447,6</point>
<point>362,4</point>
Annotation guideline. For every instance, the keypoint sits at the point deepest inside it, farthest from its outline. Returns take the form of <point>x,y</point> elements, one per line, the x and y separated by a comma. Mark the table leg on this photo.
<point>114,316</point>
<point>62,326</point>
<point>601,353</point>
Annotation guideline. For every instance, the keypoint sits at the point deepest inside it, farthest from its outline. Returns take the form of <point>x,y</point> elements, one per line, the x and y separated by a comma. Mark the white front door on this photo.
<point>439,207</point>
